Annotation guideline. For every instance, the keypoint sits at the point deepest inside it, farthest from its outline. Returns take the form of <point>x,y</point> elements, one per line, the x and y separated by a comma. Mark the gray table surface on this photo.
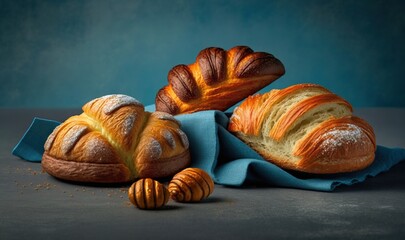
<point>34,205</point>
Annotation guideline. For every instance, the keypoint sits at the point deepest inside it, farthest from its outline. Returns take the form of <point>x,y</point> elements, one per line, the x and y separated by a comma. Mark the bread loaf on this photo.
<point>217,80</point>
<point>305,128</point>
<point>116,140</point>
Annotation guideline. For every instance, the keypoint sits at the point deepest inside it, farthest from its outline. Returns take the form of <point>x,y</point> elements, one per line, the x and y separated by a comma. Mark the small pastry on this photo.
<point>191,185</point>
<point>147,193</point>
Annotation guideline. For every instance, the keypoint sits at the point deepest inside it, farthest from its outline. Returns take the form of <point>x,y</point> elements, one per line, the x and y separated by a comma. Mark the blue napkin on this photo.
<point>31,145</point>
<point>226,158</point>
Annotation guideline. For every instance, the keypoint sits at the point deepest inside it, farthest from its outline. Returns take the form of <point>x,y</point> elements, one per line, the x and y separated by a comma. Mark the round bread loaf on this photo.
<point>116,140</point>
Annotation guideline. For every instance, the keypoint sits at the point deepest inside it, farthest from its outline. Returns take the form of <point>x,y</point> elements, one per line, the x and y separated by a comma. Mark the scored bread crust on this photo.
<point>217,80</point>
<point>305,128</point>
<point>85,171</point>
<point>116,140</point>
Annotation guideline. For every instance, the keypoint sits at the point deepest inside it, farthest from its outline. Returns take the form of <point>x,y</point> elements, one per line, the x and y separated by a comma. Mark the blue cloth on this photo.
<point>226,158</point>
<point>31,145</point>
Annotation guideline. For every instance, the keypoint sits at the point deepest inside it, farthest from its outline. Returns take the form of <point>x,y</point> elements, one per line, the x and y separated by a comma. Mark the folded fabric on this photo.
<point>227,159</point>
<point>31,145</point>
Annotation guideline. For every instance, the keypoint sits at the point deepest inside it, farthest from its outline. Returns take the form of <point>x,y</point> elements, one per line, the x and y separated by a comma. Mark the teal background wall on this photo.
<point>64,53</point>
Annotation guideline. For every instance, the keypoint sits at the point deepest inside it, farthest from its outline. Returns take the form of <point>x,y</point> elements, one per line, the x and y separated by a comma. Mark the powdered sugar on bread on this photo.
<point>337,137</point>
<point>71,137</point>
<point>116,101</point>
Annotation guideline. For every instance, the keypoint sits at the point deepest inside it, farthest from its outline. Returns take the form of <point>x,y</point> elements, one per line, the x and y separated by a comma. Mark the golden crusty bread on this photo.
<point>116,140</point>
<point>305,128</point>
<point>217,80</point>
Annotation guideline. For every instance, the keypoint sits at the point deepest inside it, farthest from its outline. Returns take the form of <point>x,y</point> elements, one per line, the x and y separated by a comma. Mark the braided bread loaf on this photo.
<point>116,140</point>
<point>306,128</point>
<point>217,80</point>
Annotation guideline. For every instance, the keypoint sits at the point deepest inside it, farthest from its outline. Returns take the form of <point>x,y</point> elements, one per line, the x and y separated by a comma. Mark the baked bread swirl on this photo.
<point>217,80</point>
<point>116,140</point>
<point>305,128</point>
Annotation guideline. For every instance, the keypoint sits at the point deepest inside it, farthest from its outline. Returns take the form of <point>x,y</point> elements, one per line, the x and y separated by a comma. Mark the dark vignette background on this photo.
<point>64,53</point>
